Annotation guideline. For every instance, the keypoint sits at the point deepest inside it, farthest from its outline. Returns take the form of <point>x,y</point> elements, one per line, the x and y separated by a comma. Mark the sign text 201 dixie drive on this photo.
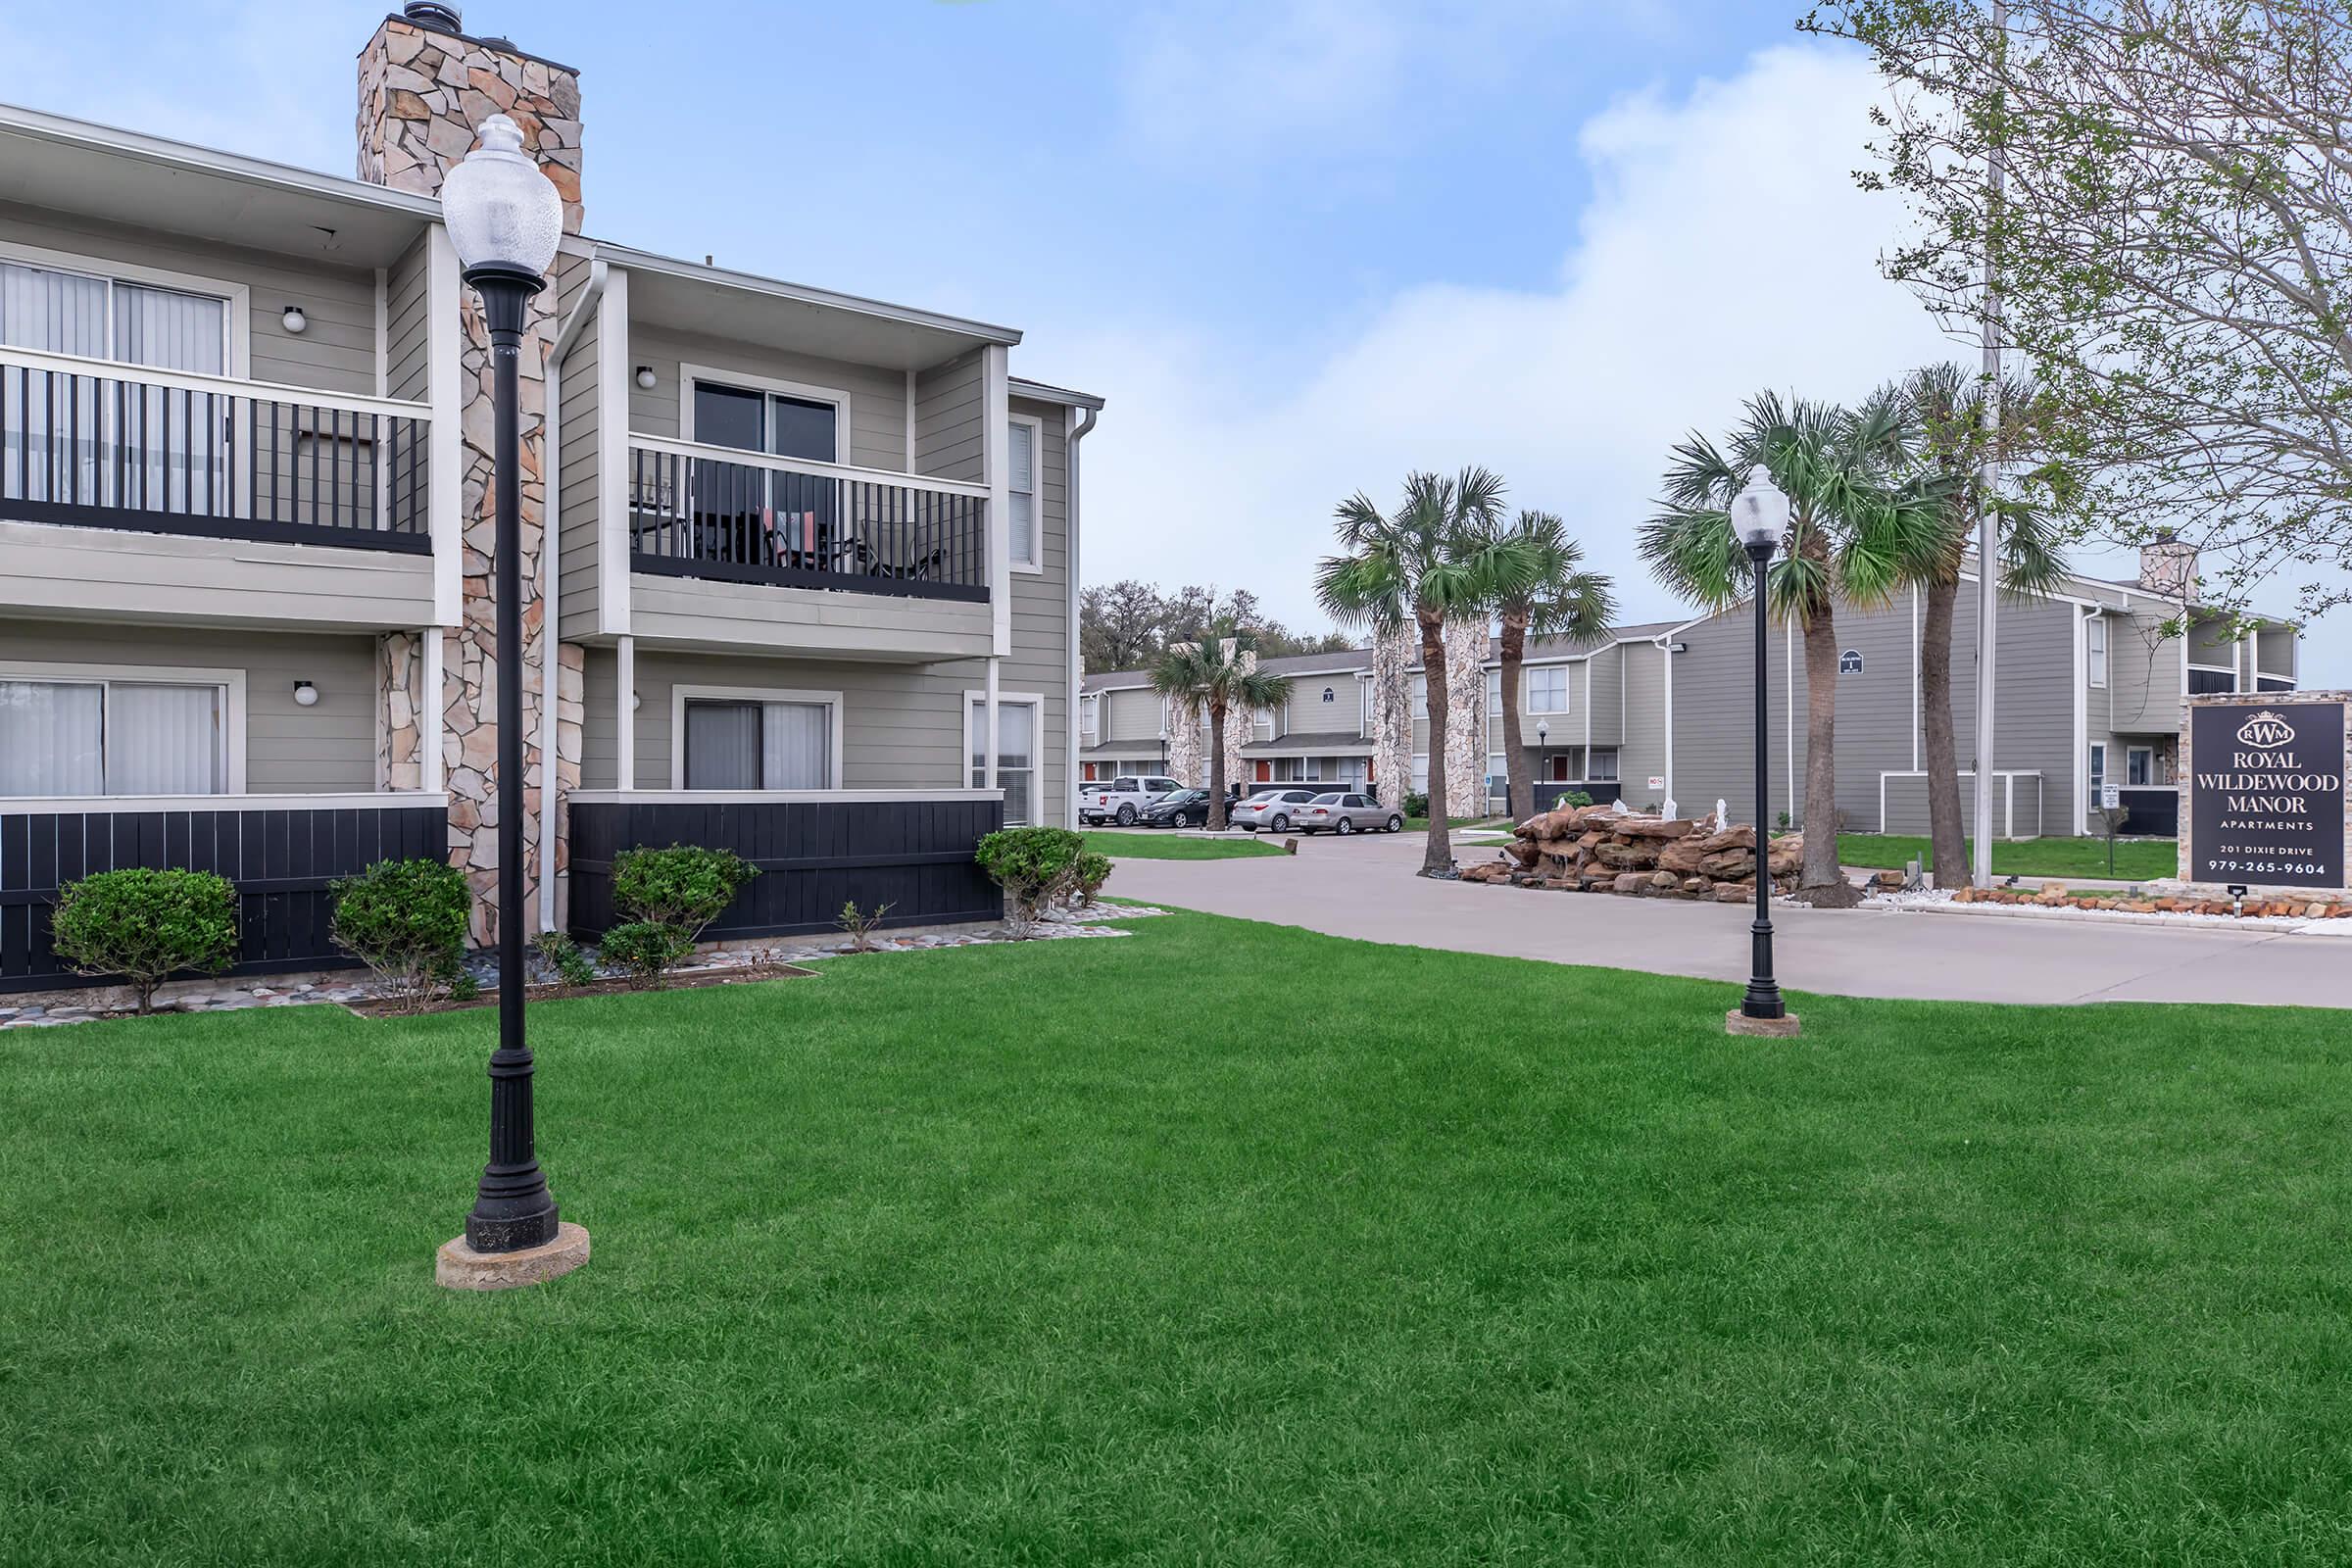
<point>2266,799</point>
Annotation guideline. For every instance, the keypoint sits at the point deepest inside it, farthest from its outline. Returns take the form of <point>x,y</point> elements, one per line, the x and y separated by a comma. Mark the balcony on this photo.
<point>744,516</point>
<point>126,490</point>
<point>736,551</point>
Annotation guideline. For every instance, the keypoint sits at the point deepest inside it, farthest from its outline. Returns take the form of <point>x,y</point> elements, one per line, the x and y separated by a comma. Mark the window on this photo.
<point>1494,691</point>
<point>748,744</point>
<point>101,736</point>
<point>1016,751</point>
<point>1420,696</point>
<point>1421,771</point>
<point>2098,766</point>
<point>780,425</point>
<point>1261,725</point>
<point>1025,440</point>
<point>2094,637</point>
<point>1547,689</point>
<point>2139,765</point>
<point>102,318</point>
<point>1089,717</point>
<point>1603,767</point>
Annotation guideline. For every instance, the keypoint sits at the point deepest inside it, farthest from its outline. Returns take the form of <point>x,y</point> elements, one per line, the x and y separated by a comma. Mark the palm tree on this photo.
<point>1542,592</point>
<point>1217,673</point>
<point>1857,532</point>
<point>1430,560</point>
<point>1947,405</point>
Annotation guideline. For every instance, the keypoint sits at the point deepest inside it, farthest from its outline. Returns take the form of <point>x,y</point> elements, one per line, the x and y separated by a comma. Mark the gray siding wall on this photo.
<point>1874,706</point>
<point>950,420</point>
<point>408,327</point>
<point>1042,634</point>
<point>56,572</point>
<point>1131,716</point>
<point>877,435</point>
<point>335,353</point>
<point>289,749</point>
<point>1714,717</point>
<point>578,508</point>
<point>1641,750</point>
<point>1607,682</point>
<point>2143,675</point>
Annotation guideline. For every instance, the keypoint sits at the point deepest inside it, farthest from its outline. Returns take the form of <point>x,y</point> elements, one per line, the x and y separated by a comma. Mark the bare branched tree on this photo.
<point>2172,253</point>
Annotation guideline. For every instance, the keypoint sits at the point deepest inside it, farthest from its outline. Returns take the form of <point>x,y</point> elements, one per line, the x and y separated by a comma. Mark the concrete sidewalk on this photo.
<point>1365,887</point>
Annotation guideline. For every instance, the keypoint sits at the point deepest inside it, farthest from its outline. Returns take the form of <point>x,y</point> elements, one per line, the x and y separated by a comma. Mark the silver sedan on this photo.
<point>1275,811</point>
<point>1344,813</point>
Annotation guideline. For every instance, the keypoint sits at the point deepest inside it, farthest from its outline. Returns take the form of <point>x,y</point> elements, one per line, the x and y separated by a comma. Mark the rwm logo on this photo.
<point>2266,729</point>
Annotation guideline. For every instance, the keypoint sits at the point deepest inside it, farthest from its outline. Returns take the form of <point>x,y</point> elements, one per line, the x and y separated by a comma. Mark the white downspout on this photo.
<point>988,726</point>
<point>1666,654</point>
<point>1072,434</point>
<point>551,535</point>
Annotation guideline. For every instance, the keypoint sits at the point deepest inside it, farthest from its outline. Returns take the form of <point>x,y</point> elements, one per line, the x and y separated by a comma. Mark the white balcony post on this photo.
<point>625,711</point>
<point>988,745</point>
<point>434,703</point>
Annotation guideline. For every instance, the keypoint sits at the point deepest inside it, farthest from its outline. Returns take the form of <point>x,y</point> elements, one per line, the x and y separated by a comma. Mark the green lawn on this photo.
<point>1167,846</point>
<point>2136,859</point>
<point>1220,1243</point>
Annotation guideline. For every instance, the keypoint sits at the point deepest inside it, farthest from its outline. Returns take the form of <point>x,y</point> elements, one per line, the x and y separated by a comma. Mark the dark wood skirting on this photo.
<point>812,856</point>
<point>282,862</point>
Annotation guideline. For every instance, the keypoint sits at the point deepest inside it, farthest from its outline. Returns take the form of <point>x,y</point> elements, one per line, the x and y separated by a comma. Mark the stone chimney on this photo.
<point>2167,566</point>
<point>424,87</point>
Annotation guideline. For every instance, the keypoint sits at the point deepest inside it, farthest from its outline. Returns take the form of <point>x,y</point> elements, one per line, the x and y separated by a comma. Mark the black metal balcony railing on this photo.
<point>753,519</point>
<point>159,452</point>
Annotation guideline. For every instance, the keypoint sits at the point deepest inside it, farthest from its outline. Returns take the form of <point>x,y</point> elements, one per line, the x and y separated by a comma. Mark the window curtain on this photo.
<point>56,313</point>
<point>797,754</point>
<point>51,738</point>
<point>1020,484</point>
<point>722,746</point>
<point>163,740</point>
<point>178,435</point>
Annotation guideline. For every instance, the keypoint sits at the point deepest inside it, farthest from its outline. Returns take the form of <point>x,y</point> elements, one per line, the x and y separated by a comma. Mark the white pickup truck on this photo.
<point>1123,798</point>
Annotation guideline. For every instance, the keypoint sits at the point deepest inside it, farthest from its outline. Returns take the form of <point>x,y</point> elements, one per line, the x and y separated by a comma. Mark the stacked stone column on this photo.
<point>422,92</point>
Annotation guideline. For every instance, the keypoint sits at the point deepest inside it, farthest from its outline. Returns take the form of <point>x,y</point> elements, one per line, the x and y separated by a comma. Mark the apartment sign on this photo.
<point>2266,799</point>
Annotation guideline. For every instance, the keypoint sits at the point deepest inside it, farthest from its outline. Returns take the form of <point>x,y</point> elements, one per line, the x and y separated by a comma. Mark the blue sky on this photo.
<point>1301,245</point>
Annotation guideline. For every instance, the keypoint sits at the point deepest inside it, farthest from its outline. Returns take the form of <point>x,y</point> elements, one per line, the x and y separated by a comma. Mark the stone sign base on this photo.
<point>458,1267</point>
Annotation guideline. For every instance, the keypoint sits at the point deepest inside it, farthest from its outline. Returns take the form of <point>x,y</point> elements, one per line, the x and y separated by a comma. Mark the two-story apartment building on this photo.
<point>803,553</point>
<point>2089,682</point>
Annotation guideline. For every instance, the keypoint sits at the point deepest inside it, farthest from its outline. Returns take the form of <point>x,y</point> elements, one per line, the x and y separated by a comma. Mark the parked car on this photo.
<point>1344,813</point>
<point>1275,811</point>
<point>1123,798</point>
<point>1184,808</point>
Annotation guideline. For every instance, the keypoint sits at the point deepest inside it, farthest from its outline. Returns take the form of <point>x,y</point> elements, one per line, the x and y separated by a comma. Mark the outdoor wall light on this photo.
<point>306,695</point>
<point>636,700</point>
<point>294,321</point>
<point>645,376</point>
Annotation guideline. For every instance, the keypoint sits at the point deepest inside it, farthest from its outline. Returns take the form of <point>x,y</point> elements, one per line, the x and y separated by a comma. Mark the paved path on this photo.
<point>1365,887</point>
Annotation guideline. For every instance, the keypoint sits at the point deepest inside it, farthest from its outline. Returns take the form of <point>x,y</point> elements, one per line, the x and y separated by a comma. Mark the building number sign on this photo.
<point>1849,663</point>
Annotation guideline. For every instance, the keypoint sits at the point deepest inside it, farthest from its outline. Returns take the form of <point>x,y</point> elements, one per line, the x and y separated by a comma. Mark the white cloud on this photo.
<point>1725,251</point>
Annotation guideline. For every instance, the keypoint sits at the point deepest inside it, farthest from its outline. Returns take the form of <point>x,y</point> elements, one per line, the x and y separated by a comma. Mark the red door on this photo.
<point>1559,770</point>
<point>1263,774</point>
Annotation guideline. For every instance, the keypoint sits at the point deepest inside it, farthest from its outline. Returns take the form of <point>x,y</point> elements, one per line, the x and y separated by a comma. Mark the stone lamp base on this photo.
<point>458,1267</point>
<point>1735,1022</point>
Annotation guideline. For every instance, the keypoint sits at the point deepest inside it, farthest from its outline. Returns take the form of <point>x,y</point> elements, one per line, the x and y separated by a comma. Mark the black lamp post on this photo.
<point>504,220</point>
<point>1759,517</point>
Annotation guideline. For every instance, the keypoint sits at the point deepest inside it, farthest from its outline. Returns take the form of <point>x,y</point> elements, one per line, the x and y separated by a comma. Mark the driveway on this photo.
<point>1364,888</point>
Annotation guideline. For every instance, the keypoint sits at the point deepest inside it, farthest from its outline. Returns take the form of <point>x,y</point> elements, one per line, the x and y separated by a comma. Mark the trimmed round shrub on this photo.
<point>644,949</point>
<point>684,887</point>
<point>1090,872</point>
<point>146,926</point>
<point>1416,802</point>
<point>1029,863</point>
<point>406,920</point>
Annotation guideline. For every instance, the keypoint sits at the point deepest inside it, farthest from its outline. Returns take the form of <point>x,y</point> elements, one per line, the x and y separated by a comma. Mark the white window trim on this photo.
<point>1527,691</point>
<point>2096,649</point>
<point>976,697</point>
<point>1037,496</point>
<point>1089,718</point>
<point>679,694</point>
<point>232,702</point>
<point>690,374</point>
<point>2148,751</point>
<point>238,351</point>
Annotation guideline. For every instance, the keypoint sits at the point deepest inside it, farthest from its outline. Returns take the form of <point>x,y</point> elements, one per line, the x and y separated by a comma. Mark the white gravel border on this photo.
<point>1941,902</point>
